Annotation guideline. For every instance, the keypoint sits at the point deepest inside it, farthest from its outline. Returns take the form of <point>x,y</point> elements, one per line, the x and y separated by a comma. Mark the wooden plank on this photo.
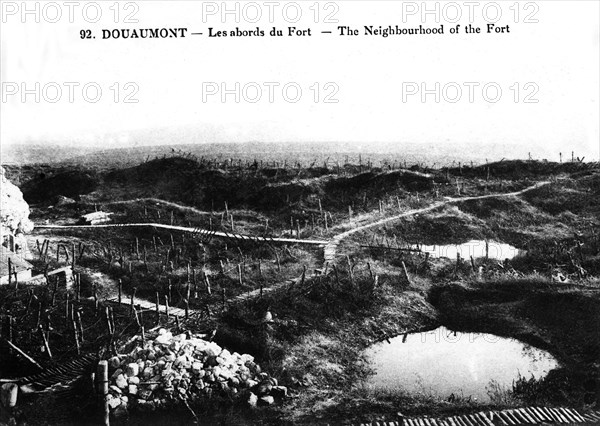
<point>526,415</point>
<point>484,419</point>
<point>450,421</point>
<point>536,417</point>
<point>549,414</point>
<point>568,415</point>
<point>515,417</point>
<point>459,421</point>
<point>560,415</point>
<point>506,418</point>
<point>465,420</point>
<point>592,415</point>
<point>474,420</point>
<point>468,420</point>
<point>542,414</point>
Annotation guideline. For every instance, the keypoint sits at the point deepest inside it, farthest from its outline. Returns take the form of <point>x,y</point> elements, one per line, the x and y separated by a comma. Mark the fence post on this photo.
<point>103,391</point>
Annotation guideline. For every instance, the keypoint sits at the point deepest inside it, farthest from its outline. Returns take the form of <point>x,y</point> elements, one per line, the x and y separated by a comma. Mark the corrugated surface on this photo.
<point>517,416</point>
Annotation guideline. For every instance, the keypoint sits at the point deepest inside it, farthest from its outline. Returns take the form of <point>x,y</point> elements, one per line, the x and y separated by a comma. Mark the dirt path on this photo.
<point>330,251</point>
<point>192,230</point>
<point>157,201</point>
<point>330,247</point>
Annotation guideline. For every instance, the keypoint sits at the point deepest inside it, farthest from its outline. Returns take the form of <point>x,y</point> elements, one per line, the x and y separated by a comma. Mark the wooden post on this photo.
<point>145,258</point>
<point>67,308</point>
<point>76,335</point>
<point>102,378</point>
<point>167,307</point>
<point>142,329</point>
<point>108,324</point>
<point>157,308</point>
<point>9,393</point>
<point>120,285</point>
<point>136,315</point>
<point>78,286</point>
<point>405,273</point>
<point>9,271</point>
<point>208,289</point>
<point>95,297</point>
<point>23,354</point>
<point>79,325</point>
<point>113,328</point>
<point>131,297</point>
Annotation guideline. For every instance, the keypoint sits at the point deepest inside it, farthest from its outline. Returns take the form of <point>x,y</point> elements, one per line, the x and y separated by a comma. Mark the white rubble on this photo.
<point>172,368</point>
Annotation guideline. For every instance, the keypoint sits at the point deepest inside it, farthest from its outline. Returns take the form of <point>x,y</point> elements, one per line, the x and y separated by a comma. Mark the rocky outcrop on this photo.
<point>14,210</point>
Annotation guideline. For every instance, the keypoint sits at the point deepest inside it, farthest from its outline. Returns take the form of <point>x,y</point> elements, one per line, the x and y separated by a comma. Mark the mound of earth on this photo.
<point>186,181</point>
<point>520,169</point>
<point>276,196</point>
<point>71,184</point>
<point>380,183</point>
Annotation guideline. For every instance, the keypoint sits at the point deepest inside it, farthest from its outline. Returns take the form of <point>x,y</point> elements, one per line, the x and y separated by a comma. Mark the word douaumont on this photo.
<point>144,33</point>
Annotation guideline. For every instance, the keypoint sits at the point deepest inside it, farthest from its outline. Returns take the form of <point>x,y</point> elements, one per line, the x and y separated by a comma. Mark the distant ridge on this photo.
<point>428,154</point>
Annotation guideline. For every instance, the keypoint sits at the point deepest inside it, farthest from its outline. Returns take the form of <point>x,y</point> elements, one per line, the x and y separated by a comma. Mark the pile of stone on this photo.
<point>185,369</point>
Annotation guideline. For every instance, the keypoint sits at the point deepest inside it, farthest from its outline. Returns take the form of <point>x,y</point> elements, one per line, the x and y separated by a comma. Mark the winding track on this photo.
<point>190,230</point>
<point>330,246</point>
<point>157,201</point>
<point>330,250</point>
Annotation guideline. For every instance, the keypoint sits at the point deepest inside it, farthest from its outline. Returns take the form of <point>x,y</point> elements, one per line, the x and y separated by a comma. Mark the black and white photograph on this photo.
<point>307,212</point>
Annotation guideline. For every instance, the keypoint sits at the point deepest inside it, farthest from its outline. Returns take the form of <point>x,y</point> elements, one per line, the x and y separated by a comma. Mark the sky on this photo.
<point>360,90</point>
